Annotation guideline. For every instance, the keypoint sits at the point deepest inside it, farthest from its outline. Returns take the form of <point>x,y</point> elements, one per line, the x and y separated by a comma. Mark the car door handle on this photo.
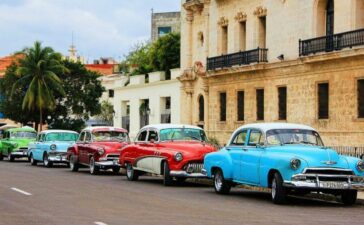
<point>245,149</point>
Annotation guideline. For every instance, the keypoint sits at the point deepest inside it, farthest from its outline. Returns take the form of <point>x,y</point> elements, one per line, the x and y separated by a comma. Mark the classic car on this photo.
<point>174,151</point>
<point>288,158</point>
<point>2,131</point>
<point>98,148</point>
<point>15,142</point>
<point>51,147</point>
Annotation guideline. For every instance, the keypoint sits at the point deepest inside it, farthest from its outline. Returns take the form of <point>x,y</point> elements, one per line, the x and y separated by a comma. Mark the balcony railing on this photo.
<point>331,42</point>
<point>239,58</point>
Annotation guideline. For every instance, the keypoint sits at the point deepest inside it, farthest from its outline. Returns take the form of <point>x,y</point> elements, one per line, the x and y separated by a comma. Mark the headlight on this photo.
<point>101,151</point>
<point>360,166</point>
<point>15,145</point>
<point>178,157</point>
<point>53,147</point>
<point>295,164</point>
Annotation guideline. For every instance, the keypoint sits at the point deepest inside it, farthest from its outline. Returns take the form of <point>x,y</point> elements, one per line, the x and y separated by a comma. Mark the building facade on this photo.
<point>164,23</point>
<point>295,61</point>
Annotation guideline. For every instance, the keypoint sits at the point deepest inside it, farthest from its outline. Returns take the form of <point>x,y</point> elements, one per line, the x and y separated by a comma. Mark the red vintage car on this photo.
<point>98,148</point>
<point>174,151</point>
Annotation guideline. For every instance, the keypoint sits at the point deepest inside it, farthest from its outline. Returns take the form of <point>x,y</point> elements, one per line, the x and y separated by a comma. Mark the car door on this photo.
<point>250,161</point>
<point>236,150</point>
<point>151,151</point>
<point>37,147</point>
<point>82,154</point>
<point>140,152</point>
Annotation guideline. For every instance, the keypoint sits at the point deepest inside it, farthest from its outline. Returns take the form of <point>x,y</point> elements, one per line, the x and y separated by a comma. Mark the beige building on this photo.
<point>247,61</point>
<point>164,23</point>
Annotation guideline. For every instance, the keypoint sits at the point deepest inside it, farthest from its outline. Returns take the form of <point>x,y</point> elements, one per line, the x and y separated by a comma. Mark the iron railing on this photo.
<point>331,42</point>
<point>351,151</point>
<point>166,118</point>
<point>125,122</point>
<point>239,58</point>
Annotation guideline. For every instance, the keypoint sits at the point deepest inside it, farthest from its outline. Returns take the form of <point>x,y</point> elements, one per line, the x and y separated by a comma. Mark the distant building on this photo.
<point>7,61</point>
<point>73,55</point>
<point>164,23</point>
<point>105,66</point>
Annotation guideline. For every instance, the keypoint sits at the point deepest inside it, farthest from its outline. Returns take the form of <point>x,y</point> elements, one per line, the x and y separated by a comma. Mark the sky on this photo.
<point>101,28</point>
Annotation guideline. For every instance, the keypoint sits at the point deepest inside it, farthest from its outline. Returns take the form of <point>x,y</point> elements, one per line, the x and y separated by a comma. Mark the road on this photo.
<point>37,195</point>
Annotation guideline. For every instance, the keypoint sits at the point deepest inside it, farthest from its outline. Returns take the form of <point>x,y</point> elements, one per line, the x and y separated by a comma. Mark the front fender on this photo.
<point>72,150</point>
<point>220,160</point>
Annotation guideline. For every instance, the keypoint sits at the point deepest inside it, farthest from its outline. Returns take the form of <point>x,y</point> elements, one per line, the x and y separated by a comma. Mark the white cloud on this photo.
<point>101,28</point>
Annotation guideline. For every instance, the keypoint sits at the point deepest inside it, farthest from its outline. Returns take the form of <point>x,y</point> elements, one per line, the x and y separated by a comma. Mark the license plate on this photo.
<point>332,185</point>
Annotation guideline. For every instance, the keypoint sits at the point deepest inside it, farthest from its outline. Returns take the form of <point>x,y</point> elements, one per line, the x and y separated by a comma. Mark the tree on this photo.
<point>138,59</point>
<point>107,113</point>
<point>38,72</point>
<point>165,53</point>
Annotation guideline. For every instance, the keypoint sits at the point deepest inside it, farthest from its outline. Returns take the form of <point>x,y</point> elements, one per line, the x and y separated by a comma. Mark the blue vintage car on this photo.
<point>51,147</point>
<point>288,158</point>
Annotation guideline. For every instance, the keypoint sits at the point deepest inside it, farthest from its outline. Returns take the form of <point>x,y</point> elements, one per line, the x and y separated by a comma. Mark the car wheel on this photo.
<point>116,170</point>
<point>46,161</point>
<point>167,179</point>
<point>94,169</point>
<point>349,197</point>
<point>221,185</point>
<point>278,191</point>
<point>131,174</point>
<point>73,164</point>
<point>11,158</point>
<point>1,156</point>
<point>33,162</point>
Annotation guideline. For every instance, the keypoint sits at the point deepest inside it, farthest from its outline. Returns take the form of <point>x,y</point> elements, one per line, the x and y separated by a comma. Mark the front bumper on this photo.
<point>182,173</point>
<point>105,165</point>
<point>58,157</point>
<point>20,153</point>
<point>327,182</point>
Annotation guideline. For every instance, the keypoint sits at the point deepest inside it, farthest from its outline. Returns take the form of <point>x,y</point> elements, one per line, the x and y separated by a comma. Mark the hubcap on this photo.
<point>92,165</point>
<point>218,181</point>
<point>46,160</point>
<point>129,171</point>
<point>274,187</point>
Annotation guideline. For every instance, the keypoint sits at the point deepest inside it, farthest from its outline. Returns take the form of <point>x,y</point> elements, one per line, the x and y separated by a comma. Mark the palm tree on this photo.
<point>38,71</point>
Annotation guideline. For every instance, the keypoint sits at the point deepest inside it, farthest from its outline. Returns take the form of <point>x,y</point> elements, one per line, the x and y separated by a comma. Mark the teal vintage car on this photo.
<point>288,159</point>
<point>51,147</point>
<point>15,142</point>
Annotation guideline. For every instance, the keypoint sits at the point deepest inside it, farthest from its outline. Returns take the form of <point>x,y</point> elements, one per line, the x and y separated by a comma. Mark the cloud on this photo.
<point>101,28</point>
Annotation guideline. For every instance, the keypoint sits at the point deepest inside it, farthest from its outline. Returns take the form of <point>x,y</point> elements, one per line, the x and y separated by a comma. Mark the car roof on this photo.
<point>270,126</point>
<point>109,128</point>
<point>58,131</point>
<point>25,128</point>
<point>168,126</point>
<point>5,127</point>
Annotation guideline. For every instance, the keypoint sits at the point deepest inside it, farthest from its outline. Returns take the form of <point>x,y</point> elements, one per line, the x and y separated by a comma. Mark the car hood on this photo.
<point>189,148</point>
<point>110,146</point>
<point>312,155</point>
<point>21,142</point>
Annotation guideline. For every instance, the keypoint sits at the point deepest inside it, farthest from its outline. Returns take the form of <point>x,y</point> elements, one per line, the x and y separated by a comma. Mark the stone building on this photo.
<point>164,23</point>
<point>248,61</point>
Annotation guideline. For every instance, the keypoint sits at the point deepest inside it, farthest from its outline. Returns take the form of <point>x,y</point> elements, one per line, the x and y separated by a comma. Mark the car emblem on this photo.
<point>329,162</point>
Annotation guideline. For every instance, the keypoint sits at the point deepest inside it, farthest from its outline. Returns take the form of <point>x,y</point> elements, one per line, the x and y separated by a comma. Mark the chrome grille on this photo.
<point>328,171</point>
<point>112,157</point>
<point>193,167</point>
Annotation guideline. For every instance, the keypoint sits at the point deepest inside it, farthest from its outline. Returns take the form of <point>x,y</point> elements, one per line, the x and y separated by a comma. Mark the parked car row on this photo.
<point>290,159</point>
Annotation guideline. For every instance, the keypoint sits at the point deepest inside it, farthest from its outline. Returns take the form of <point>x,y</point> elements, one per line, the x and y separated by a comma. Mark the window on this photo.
<point>240,138</point>
<point>201,109</point>
<point>153,135</point>
<point>82,137</point>
<point>282,103</point>
<point>164,30</point>
<point>361,98</point>
<point>330,17</point>
<point>260,104</point>
<point>142,136</point>
<point>111,93</point>
<point>168,102</point>
<point>255,138</point>
<point>224,40</point>
<point>223,106</point>
<point>242,36</point>
<point>262,32</point>
<point>240,104</point>
<point>88,136</point>
<point>323,101</point>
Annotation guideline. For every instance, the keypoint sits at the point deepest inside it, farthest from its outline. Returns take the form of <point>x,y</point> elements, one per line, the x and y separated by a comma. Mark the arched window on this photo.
<point>324,17</point>
<point>201,109</point>
<point>330,17</point>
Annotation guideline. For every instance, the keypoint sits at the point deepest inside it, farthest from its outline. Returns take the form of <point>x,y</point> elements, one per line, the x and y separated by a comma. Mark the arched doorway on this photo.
<point>324,17</point>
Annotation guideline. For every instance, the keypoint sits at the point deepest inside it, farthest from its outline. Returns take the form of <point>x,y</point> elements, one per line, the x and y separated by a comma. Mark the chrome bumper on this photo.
<point>181,173</point>
<point>322,181</point>
<point>20,153</point>
<point>107,164</point>
<point>58,157</point>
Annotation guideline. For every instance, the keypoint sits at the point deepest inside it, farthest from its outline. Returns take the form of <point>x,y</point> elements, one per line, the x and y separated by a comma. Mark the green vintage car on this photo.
<point>15,142</point>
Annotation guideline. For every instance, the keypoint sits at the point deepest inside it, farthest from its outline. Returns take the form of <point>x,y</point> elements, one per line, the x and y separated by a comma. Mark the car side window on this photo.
<point>88,136</point>
<point>255,138</point>
<point>240,138</point>
<point>142,136</point>
<point>153,135</point>
<point>82,137</point>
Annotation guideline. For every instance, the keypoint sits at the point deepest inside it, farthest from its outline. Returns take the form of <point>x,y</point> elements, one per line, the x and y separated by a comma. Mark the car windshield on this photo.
<point>110,136</point>
<point>182,134</point>
<point>24,134</point>
<point>293,136</point>
<point>61,136</point>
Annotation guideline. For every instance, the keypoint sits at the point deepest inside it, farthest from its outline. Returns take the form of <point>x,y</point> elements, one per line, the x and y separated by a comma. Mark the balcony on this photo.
<point>237,59</point>
<point>331,43</point>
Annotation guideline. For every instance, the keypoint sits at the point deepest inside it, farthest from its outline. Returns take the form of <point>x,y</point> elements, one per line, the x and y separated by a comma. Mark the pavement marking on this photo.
<point>20,191</point>
<point>100,223</point>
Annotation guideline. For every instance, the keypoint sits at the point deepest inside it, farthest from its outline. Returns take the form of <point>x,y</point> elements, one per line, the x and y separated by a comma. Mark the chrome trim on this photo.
<point>204,172</point>
<point>181,173</point>
<point>107,163</point>
<point>57,157</point>
<point>326,168</point>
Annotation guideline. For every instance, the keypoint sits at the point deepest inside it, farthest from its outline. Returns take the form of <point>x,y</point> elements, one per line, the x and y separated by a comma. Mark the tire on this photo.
<point>94,169</point>
<point>278,191</point>
<point>221,185</point>
<point>1,156</point>
<point>73,164</point>
<point>349,197</point>
<point>167,179</point>
<point>33,162</point>
<point>46,161</point>
<point>131,174</point>
<point>116,170</point>
<point>11,158</point>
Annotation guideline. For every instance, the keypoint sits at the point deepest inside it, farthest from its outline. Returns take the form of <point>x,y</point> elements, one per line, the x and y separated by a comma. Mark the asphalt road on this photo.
<point>37,195</point>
